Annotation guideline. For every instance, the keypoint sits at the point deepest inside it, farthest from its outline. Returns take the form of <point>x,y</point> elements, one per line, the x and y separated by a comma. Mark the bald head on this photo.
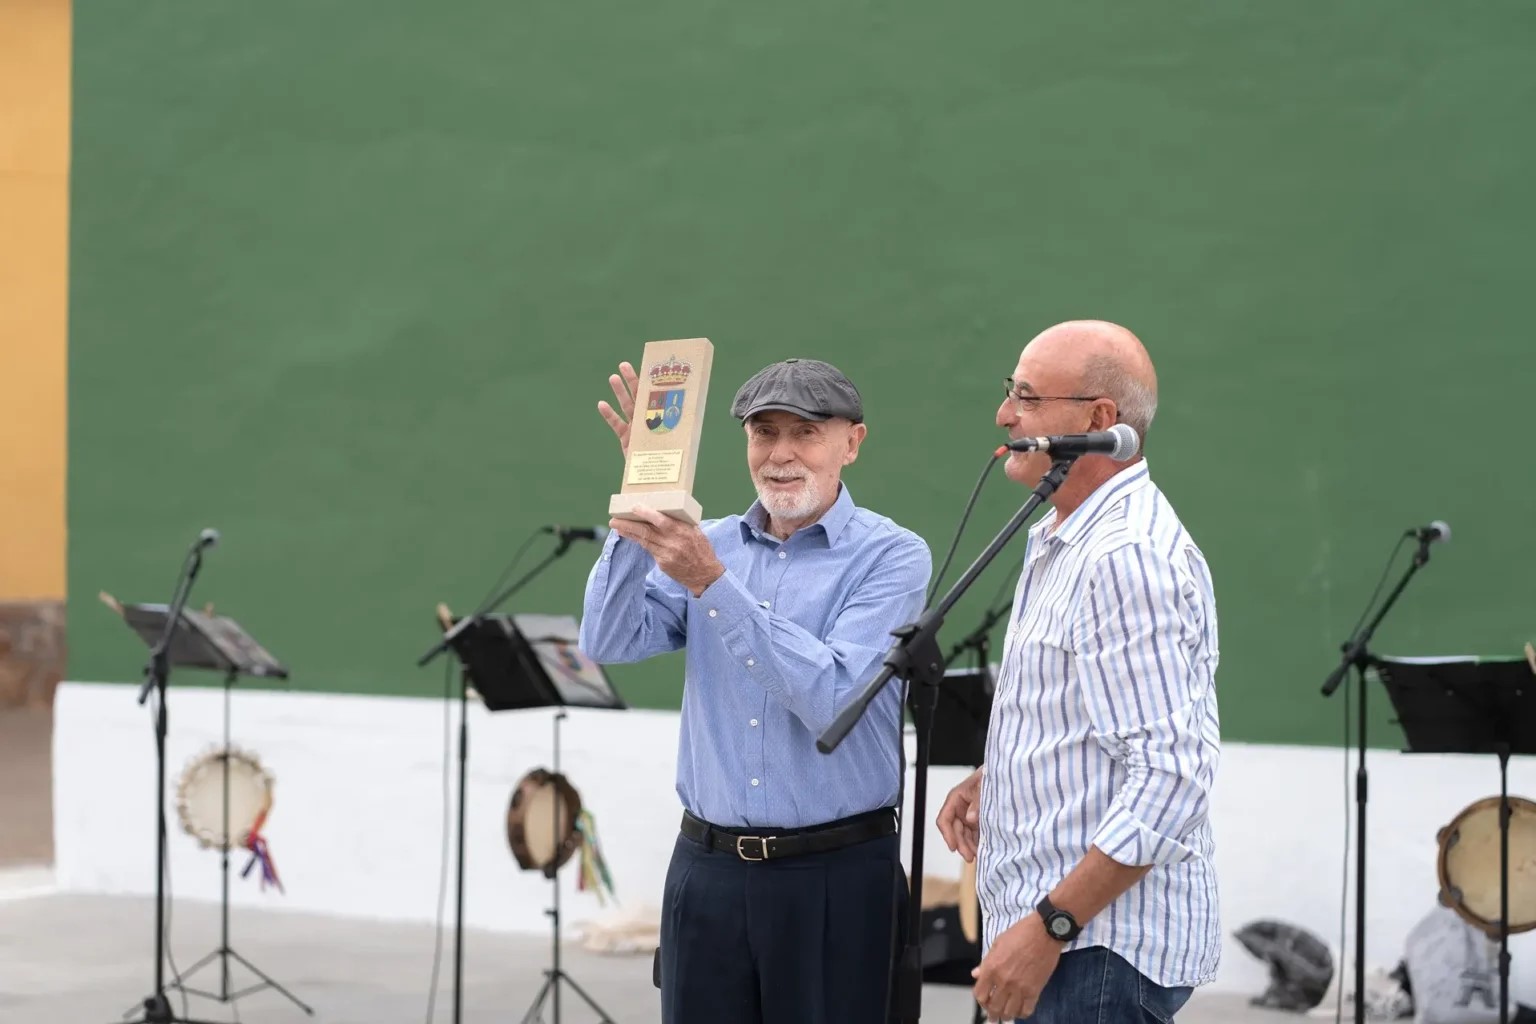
<point>1102,359</point>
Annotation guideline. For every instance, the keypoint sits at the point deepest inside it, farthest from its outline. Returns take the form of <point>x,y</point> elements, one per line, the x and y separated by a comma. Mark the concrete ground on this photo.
<point>82,959</point>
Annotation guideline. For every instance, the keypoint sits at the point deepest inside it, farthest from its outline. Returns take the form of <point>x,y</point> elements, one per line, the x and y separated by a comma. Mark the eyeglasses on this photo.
<point>1029,400</point>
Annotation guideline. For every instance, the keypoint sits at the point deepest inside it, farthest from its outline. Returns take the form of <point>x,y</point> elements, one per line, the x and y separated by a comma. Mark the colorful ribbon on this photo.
<point>594,872</point>
<point>261,853</point>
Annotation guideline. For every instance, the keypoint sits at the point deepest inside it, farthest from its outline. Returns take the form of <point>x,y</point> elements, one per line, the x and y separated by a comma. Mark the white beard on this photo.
<point>791,505</point>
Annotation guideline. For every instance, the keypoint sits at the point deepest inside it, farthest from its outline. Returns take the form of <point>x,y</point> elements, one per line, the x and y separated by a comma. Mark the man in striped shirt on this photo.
<point>1089,821</point>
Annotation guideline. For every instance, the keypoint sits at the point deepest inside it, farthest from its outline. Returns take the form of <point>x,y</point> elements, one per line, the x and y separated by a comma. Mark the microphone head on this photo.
<point>1128,443</point>
<point>208,538</point>
<point>600,533</point>
<point>1439,530</point>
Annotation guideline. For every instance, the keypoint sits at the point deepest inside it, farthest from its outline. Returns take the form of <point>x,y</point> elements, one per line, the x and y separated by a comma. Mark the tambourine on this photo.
<point>200,798</point>
<point>542,821</point>
<point>200,806</point>
<point>1468,865</point>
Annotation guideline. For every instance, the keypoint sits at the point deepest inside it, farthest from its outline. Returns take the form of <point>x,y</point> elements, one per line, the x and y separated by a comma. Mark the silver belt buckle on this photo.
<point>762,846</point>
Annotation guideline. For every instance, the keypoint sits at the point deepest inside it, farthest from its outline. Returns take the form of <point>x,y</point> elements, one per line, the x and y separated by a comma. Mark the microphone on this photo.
<point>1119,442</point>
<point>569,533</point>
<point>207,539</point>
<point>1437,530</point>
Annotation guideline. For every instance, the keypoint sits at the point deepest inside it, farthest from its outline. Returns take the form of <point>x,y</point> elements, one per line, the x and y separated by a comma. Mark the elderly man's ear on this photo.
<point>856,434</point>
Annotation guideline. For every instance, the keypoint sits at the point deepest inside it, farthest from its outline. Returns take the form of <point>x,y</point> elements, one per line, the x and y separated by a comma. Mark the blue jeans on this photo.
<point>1096,986</point>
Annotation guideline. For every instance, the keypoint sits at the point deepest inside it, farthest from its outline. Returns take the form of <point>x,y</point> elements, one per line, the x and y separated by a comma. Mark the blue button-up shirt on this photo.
<point>776,647</point>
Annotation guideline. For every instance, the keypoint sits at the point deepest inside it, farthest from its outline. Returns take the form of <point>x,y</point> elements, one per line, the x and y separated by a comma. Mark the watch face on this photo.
<point>1060,926</point>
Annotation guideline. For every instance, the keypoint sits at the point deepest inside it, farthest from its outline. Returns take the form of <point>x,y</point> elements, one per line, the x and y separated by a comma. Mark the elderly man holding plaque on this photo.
<point>779,897</point>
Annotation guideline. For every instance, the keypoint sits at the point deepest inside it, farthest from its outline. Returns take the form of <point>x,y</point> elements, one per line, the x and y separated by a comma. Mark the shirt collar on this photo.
<point>1108,494</point>
<point>831,525</point>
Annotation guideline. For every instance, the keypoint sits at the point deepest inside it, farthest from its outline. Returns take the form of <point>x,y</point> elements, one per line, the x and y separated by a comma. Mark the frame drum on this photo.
<point>538,840</point>
<point>200,797</point>
<point>1468,865</point>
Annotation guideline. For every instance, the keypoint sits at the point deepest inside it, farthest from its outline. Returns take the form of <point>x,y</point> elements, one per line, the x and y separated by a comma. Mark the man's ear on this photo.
<point>856,434</point>
<point>1105,415</point>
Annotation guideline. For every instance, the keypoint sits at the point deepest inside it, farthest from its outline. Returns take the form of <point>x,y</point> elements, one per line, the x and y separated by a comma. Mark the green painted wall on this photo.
<point>348,278</point>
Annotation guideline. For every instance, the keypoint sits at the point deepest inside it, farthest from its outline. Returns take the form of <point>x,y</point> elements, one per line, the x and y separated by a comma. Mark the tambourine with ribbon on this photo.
<point>200,795</point>
<point>541,821</point>
<point>547,825</point>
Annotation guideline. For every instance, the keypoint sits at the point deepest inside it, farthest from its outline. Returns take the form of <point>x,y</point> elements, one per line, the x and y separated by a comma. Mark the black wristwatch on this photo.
<point>1059,924</point>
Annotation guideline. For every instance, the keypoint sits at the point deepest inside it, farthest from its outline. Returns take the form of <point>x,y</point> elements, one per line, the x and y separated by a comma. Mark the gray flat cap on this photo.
<point>809,388</point>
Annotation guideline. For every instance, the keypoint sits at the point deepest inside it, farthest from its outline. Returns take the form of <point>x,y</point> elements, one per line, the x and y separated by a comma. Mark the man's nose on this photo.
<point>1006,414</point>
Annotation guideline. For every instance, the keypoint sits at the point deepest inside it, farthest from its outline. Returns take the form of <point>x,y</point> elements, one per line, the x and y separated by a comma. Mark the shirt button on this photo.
<point>750,663</point>
<point>783,554</point>
<point>754,723</point>
<point>754,782</point>
<point>711,613</point>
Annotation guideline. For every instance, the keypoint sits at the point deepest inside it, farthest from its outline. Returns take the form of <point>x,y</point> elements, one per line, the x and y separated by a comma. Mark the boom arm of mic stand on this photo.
<point>978,636</point>
<point>916,656</point>
<point>159,666</point>
<point>1354,649</point>
<point>468,620</point>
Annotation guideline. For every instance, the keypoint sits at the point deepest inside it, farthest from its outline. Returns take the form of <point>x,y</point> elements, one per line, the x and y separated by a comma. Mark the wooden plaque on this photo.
<point>664,434</point>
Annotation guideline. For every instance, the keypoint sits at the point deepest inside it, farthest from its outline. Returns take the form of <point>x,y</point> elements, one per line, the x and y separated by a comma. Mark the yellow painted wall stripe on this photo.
<point>34,295</point>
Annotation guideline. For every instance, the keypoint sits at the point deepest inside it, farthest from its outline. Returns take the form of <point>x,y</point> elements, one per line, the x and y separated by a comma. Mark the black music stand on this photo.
<point>958,739</point>
<point>960,716</point>
<point>515,662</point>
<point>1469,706</point>
<point>203,640</point>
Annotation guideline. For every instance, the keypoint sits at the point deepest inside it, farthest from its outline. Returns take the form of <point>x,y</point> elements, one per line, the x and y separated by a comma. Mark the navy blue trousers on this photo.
<point>803,940</point>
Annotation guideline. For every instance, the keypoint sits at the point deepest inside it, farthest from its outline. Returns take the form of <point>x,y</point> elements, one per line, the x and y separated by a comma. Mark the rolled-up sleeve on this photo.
<point>1146,698</point>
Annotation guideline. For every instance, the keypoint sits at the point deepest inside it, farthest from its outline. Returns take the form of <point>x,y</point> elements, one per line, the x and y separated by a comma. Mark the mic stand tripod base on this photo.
<point>157,1010</point>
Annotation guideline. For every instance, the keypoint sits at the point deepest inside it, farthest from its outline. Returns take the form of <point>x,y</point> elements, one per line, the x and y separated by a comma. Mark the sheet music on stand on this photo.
<point>202,640</point>
<point>532,661</point>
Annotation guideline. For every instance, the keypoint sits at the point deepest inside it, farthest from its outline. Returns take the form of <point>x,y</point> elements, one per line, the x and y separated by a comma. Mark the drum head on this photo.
<point>200,798</point>
<point>1468,865</point>
<point>546,821</point>
<point>541,821</point>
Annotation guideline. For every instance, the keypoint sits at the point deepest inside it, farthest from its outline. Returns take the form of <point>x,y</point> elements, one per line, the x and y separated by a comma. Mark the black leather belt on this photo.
<point>748,844</point>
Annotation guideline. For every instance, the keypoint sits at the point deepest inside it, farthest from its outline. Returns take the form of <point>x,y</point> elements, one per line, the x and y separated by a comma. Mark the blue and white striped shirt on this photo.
<point>1104,730</point>
<point>775,648</point>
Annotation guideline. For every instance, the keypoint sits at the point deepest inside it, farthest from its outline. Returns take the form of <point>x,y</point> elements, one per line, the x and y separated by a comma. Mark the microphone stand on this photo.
<point>448,637</point>
<point>1358,657</point>
<point>474,618</point>
<point>157,1008</point>
<point>916,658</point>
<point>978,640</point>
